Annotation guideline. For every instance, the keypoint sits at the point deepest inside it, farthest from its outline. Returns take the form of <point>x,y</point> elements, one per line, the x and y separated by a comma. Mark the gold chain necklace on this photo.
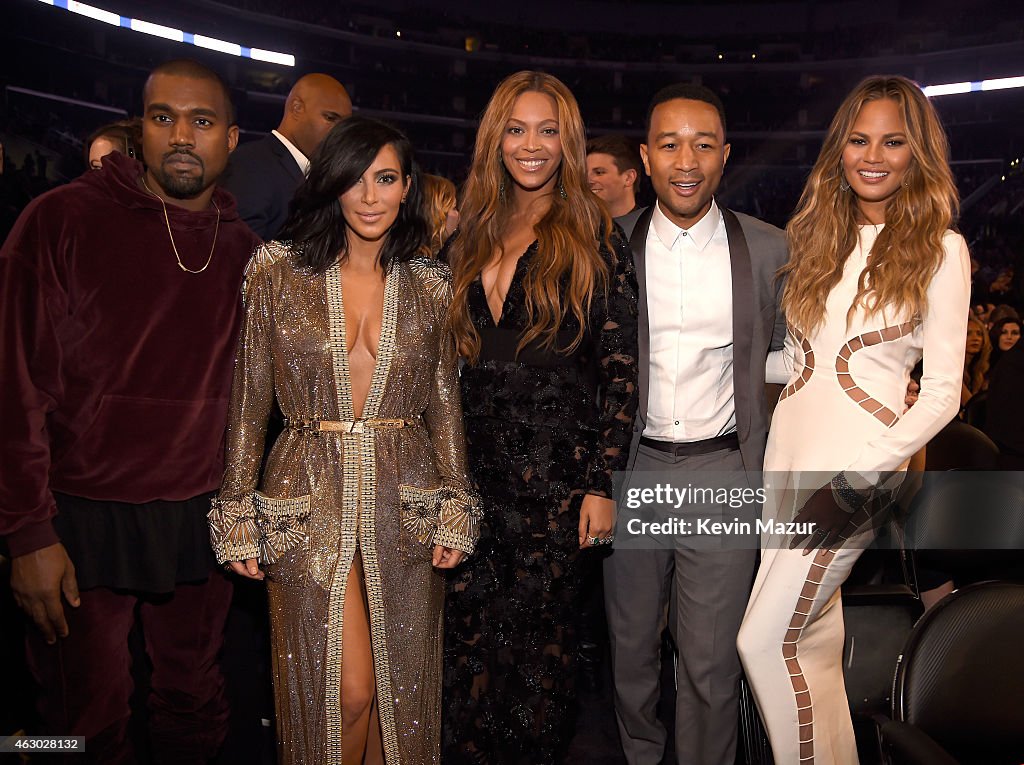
<point>167,220</point>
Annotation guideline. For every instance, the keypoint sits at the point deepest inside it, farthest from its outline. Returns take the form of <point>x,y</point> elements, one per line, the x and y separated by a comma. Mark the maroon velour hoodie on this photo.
<point>115,365</point>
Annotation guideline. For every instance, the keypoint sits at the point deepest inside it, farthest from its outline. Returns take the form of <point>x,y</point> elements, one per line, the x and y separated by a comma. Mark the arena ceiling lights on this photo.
<point>169,33</point>
<point>973,87</point>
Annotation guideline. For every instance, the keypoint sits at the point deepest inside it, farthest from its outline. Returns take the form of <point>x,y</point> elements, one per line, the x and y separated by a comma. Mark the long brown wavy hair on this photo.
<point>438,200</point>
<point>823,231</point>
<point>567,234</point>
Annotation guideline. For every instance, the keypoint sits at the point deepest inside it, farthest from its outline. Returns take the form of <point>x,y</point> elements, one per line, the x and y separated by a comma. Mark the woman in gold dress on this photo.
<point>365,495</point>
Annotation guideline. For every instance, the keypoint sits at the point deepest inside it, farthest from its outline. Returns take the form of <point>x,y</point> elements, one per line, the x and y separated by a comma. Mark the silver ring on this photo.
<point>596,541</point>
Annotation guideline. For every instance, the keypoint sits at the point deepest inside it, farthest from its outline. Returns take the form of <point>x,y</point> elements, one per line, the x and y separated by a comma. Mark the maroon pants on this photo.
<point>86,678</point>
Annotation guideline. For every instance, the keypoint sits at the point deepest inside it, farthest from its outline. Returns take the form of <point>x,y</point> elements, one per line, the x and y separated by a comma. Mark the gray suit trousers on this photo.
<point>704,592</point>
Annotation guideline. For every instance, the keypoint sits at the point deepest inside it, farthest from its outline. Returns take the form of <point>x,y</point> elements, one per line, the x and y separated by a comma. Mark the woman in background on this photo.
<point>439,208</point>
<point>876,281</point>
<point>124,136</point>
<point>978,350</point>
<point>1004,334</point>
<point>545,314</point>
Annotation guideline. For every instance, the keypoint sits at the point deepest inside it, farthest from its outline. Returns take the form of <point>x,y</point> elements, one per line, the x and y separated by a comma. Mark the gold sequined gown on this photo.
<point>391,492</point>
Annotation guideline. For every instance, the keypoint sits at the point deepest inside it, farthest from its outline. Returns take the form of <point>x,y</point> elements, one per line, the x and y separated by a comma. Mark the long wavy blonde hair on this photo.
<point>823,231</point>
<point>976,367</point>
<point>567,257</point>
<point>438,200</point>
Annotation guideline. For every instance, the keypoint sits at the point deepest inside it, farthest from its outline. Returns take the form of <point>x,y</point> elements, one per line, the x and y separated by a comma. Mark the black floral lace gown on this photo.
<point>542,429</point>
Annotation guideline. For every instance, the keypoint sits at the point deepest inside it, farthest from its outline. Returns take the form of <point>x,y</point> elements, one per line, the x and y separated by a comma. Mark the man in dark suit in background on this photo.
<point>709,316</point>
<point>613,172</point>
<point>263,175</point>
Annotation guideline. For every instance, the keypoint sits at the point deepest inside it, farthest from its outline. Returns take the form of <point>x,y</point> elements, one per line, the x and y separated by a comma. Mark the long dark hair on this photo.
<point>993,336</point>
<point>316,225</point>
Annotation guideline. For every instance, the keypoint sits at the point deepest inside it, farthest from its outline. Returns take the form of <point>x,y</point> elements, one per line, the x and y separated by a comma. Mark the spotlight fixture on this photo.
<point>170,33</point>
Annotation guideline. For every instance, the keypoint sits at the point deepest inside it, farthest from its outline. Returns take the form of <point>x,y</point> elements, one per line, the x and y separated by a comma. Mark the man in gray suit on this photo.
<point>263,175</point>
<point>709,316</point>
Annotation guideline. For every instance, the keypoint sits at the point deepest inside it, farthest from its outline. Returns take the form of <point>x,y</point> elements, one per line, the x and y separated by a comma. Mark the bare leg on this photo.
<point>360,724</point>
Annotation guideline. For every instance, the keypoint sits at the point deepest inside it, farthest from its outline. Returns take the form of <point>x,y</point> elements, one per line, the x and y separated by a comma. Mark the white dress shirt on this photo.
<point>689,306</point>
<point>300,159</point>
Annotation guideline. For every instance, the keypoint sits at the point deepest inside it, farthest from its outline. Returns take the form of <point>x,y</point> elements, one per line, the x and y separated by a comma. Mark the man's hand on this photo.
<point>37,579</point>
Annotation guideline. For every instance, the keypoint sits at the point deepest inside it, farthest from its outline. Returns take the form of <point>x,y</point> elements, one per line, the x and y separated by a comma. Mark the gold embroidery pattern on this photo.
<point>458,524</point>
<point>265,256</point>
<point>367,524</point>
<point>234,534</point>
<point>442,516</point>
<point>435,277</point>
<point>419,511</point>
<point>808,369</point>
<point>350,505</point>
<point>874,407</point>
<point>359,500</point>
<point>339,347</point>
<point>282,524</point>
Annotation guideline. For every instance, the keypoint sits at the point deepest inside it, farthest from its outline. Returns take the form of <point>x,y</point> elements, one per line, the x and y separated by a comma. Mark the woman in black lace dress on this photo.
<point>545,314</point>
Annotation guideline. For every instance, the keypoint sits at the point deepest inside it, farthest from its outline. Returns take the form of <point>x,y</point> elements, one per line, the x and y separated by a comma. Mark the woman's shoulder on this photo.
<point>953,240</point>
<point>434,276</point>
<point>269,256</point>
<point>954,248</point>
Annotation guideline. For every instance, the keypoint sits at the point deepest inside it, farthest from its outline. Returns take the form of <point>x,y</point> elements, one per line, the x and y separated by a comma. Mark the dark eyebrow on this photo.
<point>898,133</point>
<point>673,134</point>
<point>200,111</point>
<point>546,119</point>
<point>388,170</point>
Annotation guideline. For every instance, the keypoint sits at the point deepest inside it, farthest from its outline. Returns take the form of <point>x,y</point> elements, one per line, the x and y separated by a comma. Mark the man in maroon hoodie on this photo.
<point>119,309</point>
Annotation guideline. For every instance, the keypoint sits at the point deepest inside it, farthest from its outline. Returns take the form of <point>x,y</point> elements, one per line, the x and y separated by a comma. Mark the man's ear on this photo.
<point>232,138</point>
<point>631,177</point>
<point>643,156</point>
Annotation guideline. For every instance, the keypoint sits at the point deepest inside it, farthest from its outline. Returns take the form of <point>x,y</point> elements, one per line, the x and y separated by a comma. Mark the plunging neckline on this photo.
<point>520,262</point>
<point>339,342</point>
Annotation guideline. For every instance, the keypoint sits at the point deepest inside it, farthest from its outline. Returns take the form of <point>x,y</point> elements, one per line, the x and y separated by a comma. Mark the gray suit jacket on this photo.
<point>756,250</point>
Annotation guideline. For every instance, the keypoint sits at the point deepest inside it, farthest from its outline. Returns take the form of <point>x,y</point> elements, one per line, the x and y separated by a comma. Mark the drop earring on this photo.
<point>561,189</point>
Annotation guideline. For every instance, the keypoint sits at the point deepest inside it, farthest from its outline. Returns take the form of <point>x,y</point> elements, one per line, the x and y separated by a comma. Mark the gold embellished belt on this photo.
<point>350,426</point>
